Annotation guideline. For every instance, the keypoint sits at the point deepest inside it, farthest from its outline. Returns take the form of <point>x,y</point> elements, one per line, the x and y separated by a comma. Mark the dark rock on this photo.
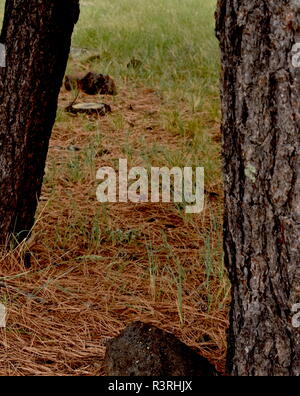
<point>91,84</point>
<point>27,260</point>
<point>145,350</point>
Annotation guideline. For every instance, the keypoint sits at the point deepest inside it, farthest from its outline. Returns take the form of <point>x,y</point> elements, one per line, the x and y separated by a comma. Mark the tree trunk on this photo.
<point>37,36</point>
<point>261,132</point>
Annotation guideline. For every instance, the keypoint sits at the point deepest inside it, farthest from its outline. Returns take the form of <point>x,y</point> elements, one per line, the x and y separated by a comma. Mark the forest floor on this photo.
<point>95,267</point>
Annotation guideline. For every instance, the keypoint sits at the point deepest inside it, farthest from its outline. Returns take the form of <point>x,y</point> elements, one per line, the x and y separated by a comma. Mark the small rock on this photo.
<point>144,350</point>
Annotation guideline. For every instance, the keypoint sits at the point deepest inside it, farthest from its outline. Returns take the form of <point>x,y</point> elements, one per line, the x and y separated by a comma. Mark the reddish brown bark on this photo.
<point>261,130</point>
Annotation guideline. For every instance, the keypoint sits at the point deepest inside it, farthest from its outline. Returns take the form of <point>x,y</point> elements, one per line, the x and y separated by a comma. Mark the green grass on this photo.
<point>175,42</point>
<point>173,38</point>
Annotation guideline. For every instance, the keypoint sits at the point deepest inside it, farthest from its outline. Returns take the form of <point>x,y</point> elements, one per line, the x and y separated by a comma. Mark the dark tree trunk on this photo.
<point>261,130</point>
<point>37,36</point>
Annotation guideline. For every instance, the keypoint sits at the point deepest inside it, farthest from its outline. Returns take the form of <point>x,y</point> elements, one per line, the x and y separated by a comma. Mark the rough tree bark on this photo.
<point>261,130</point>
<point>37,36</point>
